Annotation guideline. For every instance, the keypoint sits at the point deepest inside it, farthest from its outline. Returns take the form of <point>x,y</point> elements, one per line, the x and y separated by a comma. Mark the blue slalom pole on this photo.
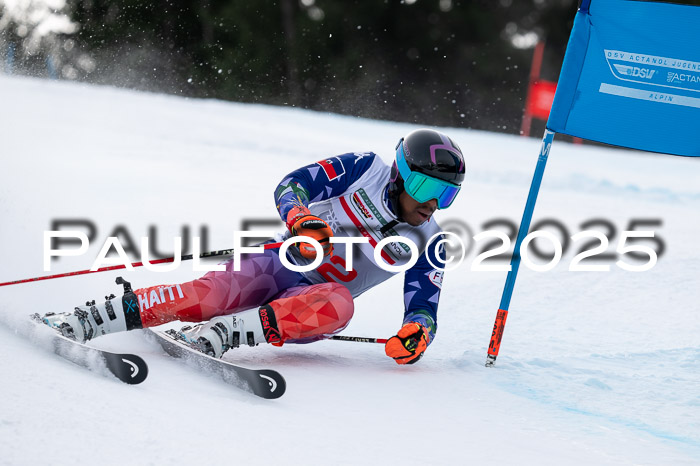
<point>502,314</point>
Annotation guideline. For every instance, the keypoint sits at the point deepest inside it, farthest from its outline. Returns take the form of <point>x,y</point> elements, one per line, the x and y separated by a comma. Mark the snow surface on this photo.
<point>595,367</point>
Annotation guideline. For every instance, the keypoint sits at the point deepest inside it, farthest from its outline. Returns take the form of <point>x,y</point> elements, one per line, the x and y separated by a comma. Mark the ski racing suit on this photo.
<point>350,193</point>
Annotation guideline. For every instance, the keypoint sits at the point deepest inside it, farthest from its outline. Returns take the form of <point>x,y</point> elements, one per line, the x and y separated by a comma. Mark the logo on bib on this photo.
<point>436,277</point>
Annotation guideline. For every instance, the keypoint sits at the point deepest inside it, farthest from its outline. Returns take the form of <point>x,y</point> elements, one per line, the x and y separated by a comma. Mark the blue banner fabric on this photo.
<point>631,77</point>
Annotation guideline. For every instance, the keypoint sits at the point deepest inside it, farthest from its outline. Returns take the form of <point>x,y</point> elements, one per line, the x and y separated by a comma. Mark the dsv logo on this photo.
<point>635,71</point>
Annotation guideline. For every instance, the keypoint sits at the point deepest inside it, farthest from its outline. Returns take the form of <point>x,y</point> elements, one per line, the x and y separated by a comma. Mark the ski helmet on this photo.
<point>428,165</point>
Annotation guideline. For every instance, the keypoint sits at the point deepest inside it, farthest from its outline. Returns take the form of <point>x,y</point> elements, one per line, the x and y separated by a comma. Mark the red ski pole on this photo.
<point>222,252</point>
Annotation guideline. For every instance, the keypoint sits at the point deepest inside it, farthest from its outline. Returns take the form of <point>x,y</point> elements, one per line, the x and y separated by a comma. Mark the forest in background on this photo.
<point>435,62</point>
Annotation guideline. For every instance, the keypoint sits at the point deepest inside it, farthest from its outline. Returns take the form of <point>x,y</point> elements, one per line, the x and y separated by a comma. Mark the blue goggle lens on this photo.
<point>423,188</point>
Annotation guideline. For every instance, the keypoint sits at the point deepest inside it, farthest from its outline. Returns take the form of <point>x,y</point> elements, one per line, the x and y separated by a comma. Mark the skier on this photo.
<point>352,195</point>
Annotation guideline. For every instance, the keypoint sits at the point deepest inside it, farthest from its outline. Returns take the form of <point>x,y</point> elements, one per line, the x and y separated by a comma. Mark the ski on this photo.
<point>264,383</point>
<point>129,368</point>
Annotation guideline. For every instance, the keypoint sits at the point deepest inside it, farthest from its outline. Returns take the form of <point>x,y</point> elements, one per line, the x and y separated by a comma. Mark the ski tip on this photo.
<point>128,368</point>
<point>271,385</point>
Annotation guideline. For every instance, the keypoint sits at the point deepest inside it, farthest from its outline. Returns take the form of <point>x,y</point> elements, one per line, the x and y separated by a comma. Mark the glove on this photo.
<point>408,346</point>
<point>300,222</point>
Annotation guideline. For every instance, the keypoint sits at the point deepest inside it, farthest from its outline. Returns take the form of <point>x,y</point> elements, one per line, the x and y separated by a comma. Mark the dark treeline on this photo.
<point>442,62</point>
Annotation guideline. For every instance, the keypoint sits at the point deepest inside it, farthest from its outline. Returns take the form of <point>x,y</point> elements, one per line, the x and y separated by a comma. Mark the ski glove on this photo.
<point>300,222</point>
<point>408,346</point>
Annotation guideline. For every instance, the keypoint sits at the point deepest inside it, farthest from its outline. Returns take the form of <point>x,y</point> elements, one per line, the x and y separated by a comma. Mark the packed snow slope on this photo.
<point>595,367</point>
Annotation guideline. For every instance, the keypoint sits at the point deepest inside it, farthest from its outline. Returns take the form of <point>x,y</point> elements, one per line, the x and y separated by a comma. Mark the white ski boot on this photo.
<point>223,333</point>
<point>93,320</point>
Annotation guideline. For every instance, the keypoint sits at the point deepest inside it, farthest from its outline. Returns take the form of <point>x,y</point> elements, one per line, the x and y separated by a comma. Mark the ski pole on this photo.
<point>222,252</point>
<point>359,339</point>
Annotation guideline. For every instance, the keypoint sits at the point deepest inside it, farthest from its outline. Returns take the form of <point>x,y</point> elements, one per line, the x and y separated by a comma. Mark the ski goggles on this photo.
<point>422,187</point>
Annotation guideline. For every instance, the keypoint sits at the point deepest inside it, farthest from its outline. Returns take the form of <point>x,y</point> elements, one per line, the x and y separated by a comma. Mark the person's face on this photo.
<point>414,212</point>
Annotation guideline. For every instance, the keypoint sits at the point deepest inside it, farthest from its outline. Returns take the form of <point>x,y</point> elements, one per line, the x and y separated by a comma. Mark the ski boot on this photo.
<point>223,333</point>
<point>93,320</point>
